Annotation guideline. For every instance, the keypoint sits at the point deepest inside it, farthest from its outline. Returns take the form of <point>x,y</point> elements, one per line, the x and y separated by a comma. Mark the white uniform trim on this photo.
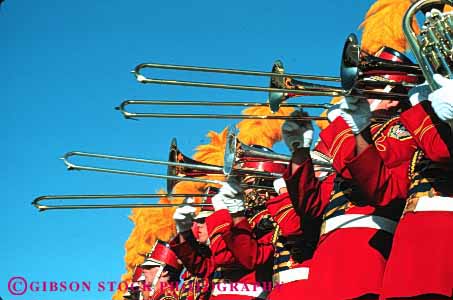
<point>358,221</point>
<point>436,203</point>
<point>290,275</point>
<point>238,288</point>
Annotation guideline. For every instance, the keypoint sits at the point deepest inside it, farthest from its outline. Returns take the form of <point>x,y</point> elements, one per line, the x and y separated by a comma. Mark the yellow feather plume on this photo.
<point>382,26</point>
<point>262,132</point>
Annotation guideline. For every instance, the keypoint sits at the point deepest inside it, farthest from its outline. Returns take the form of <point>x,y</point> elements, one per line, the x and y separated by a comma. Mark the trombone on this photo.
<point>43,207</point>
<point>354,71</point>
<point>135,115</point>
<point>315,89</point>
<point>177,170</point>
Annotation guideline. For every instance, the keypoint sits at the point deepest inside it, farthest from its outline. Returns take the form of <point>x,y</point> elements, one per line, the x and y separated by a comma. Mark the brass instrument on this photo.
<point>313,89</point>
<point>433,47</point>
<point>354,65</point>
<point>237,152</point>
<point>135,115</point>
<point>180,168</point>
<point>44,207</point>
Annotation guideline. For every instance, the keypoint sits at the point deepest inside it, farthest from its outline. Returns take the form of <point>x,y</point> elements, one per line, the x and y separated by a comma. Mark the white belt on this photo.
<point>290,275</point>
<point>435,203</point>
<point>358,221</point>
<point>238,288</point>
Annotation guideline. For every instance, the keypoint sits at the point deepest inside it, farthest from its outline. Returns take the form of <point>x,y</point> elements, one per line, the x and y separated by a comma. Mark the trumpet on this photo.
<point>237,153</point>
<point>43,207</point>
<point>433,47</point>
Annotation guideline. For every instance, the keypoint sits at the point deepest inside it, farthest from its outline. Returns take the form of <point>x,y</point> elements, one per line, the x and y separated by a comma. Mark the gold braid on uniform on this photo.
<point>383,127</point>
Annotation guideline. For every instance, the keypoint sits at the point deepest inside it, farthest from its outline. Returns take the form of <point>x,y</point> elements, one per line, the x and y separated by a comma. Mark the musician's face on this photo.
<point>377,104</point>
<point>202,232</point>
<point>150,274</point>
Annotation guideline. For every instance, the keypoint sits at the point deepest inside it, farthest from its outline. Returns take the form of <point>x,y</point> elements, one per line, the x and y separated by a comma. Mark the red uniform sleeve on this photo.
<point>246,248</point>
<point>308,194</point>
<point>282,211</point>
<point>379,184</point>
<point>192,258</point>
<point>432,135</point>
<point>203,263</point>
<point>340,142</point>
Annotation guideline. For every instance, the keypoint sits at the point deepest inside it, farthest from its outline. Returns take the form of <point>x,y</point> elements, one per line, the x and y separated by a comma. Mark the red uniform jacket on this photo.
<point>309,195</point>
<point>200,260</point>
<point>432,135</point>
<point>253,253</point>
<point>366,168</point>
<point>340,142</point>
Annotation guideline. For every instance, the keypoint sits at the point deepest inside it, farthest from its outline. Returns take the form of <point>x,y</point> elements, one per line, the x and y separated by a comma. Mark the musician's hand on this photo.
<point>419,93</point>
<point>183,217</point>
<point>279,185</point>
<point>356,113</point>
<point>442,99</point>
<point>297,134</point>
<point>229,196</point>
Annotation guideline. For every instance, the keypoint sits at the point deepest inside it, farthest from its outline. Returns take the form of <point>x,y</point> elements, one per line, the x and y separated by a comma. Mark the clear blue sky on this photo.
<point>64,66</point>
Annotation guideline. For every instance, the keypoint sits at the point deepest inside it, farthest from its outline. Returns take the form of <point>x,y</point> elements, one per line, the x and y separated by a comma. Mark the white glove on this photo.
<point>183,217</point>
<point>419,93</point>
<point>333,112</point>
<point>442,99</point>
<point>297,134</point>
<point>235,205</point>
<point>279,184</point>
<point>229,197</point>
<point>356,113</point>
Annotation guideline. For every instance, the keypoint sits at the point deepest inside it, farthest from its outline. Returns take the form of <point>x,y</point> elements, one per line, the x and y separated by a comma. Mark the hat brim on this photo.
<point>127,295</point>
<point>203,214</point>
<point>150,263</point>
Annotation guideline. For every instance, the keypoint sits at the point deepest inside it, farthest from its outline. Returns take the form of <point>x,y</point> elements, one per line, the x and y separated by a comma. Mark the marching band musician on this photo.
<point>298,231</point>
<point>419,266</point>
<point>161,271</point>
<point>256,241</point>
<point>135,289</point>
<point>195,287</point>
<point>200,255</point>
<point>247,239</point>
<point>292,251</point>
<point>355,237</point>
<point>361,231</point>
